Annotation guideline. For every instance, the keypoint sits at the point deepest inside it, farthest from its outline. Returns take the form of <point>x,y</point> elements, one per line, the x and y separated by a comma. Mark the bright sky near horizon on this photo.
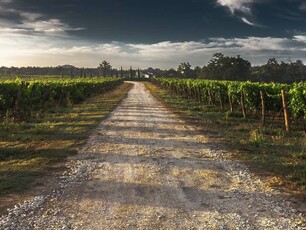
<point>149,33</point>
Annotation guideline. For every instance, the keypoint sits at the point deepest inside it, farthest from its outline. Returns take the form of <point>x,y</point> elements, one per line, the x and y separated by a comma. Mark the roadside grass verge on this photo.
<point>277,157</point>
<point>32,149</point>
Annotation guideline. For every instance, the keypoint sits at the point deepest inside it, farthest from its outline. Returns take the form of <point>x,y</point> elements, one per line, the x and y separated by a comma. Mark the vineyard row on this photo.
<point>19,98</point>
<point>248,97</point>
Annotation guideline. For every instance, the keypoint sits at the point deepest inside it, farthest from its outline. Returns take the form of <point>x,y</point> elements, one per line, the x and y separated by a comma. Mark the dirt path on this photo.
<point>146,169</point>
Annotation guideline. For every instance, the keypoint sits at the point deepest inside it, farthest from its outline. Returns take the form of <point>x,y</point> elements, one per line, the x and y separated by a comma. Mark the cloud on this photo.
<point>48,26</point>
<point>26,50</point>
<point>29,16</point>
<point>32,39</point>
<point>12,30</point>
<point>250,23</point>
<point>303,6</point>
<point>5,1</point>
<point>241,9</point>
<point>23,22</point>
<point>300,38</point>
<point>237,5</point>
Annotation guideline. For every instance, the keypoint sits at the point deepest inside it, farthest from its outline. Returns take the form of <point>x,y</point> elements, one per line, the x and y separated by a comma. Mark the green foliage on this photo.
<point>201,90</point>
<point>30,150</point>
<point>105,67</point>
<point>280,72</point>
<point>227,68</point>
<point>184,69</point>
<point>22,97</point>
<point>256,136</point>
<point>298,99</point>
<point>270,150</point>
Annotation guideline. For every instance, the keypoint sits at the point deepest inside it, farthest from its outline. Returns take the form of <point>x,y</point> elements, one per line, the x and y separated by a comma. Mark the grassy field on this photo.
<point>32,149</point>
<point>279,158</point>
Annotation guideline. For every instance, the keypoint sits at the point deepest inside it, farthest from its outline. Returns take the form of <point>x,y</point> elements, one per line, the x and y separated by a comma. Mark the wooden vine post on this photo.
<point>286,114</point>
<point>263,108</point>
<point>243,105</point>
<point>199,94</point>
<point>64,97</point>
<point>230,102</point>
<point>19,96</point>
<point>46,96</point>
<point>210,98</point>
<point>17,111</point>
<point>220,98</point>
<point>32,95</point>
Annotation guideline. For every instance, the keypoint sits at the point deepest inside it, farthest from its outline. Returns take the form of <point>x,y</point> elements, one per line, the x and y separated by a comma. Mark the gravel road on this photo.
<point>144,168</point>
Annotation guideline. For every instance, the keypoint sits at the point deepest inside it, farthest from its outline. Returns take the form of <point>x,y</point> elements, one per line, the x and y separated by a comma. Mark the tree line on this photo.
<point>104,69</point>
<point>220,67</point>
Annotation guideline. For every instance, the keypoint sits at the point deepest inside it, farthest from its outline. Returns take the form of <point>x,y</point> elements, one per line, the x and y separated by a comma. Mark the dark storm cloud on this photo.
<point>155,21</point>
<point>17,19</point>
<point>144,32</point>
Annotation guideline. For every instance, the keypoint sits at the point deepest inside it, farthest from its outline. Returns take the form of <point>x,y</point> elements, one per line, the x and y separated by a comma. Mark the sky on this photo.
<point>143,33</point>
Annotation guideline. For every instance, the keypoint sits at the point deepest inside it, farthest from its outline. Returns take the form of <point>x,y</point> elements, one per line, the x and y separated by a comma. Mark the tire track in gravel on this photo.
<point>144,168</point>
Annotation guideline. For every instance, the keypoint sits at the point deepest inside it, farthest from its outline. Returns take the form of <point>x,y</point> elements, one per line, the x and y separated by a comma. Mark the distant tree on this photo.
<point>203,72</point>
<point>153,72</point>
<point>295,71</point>
<point>197,71</point>
<point>138,73</point>
<point>171,73</point>
<point>239,69</point>
<point>272,71</point>
<point>185,70</point>
<point>116,72</point>
<point>132,72</point>
<point>286,72</point>
<point>105,67</point>
<point>227,68</point>
<point>214,69</point>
